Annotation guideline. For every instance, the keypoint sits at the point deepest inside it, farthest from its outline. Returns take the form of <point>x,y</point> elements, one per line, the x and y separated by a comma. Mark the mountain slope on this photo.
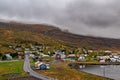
<point>12,37</point>
<point>56,33</point>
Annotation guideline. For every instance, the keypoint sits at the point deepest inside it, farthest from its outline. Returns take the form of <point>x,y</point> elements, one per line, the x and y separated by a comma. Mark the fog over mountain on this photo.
<point>87,17</point>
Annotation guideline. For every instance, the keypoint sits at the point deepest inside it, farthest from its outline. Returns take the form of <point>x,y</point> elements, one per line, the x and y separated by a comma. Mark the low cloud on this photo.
<point>86,17</point>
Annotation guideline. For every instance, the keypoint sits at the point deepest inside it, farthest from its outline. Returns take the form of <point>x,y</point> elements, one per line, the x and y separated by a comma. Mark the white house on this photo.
<point>108,51</point>
<point>113,60</point>
<point>71,55</point>
<point>44,55</point>
<point>9,57</point>
<point>59,55</point>
<point>81,58</point>
<point>90,51</point>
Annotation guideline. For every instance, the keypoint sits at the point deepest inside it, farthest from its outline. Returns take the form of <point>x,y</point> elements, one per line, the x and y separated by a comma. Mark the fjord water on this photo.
<point>110,71</point>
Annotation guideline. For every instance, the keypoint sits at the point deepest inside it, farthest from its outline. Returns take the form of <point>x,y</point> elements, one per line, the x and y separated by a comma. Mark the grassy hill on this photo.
<point>12,37</point>
<point>56,34</point>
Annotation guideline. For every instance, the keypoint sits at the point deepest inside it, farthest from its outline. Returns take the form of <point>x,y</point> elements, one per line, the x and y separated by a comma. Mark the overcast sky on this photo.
<point>99,18</point>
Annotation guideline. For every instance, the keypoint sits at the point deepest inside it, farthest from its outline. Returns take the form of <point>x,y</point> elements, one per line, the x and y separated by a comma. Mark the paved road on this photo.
<point>28,69</point>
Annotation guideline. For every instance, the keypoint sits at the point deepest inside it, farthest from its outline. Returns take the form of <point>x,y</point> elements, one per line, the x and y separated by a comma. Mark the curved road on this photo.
<point>28,69</point>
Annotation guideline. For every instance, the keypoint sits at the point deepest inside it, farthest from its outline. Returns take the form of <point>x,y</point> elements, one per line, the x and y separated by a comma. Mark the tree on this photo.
<point>4,57</point>
<point>0,54</point>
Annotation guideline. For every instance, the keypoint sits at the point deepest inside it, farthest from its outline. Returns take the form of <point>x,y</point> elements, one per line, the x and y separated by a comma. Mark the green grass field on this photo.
<point>11,68</point>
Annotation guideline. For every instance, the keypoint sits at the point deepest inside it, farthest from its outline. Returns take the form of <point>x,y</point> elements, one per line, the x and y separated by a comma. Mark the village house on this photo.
<point>90,51</point>
<point>71,56</point>
<point>44,55</point>
<point>20,55</point>
<point>8,56</point>
<point>103,58</point>
<point>18,48</point>
<point>108,51</point>
<point>41,65</point>
<point>111,57</point>
<point>82,57</point>
<point>59,55</point>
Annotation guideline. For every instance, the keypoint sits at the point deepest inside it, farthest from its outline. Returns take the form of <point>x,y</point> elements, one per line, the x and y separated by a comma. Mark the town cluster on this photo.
<point>40,53</point>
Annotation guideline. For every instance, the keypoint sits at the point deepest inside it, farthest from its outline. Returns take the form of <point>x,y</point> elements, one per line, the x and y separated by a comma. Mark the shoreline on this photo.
<point>75,65</point>
<point>96,63</point>
<point>97,75</point>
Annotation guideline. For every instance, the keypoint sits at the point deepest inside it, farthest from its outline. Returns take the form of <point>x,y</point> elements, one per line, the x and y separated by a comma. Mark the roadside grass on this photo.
<point>52,67</point>
<point>49,59</point>
<point>15,67</point>
<point>32,62</point>
<point>63,72</point>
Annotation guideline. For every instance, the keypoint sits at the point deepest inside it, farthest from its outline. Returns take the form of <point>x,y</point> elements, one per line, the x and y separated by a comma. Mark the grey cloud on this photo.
<point>90,14</point>
<point>86,17</point>
<point>92,18</point>
<point>37,10</point>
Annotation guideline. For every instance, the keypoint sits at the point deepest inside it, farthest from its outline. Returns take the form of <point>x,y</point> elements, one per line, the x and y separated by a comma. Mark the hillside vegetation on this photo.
<point>10,37</point>
<point>57,34</point>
